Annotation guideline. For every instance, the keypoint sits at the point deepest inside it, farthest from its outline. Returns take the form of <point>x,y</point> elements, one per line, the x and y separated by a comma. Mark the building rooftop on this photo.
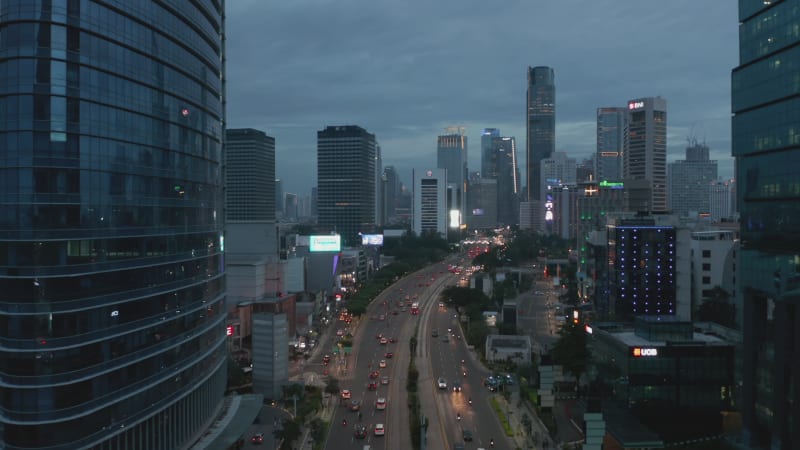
<point>631,339</point>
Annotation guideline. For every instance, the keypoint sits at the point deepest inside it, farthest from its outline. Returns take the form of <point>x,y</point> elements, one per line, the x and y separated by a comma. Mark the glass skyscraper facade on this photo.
<point>250,176</point>
<point>610,140</point>
<point>766,145</point>
<point>112,287</point>
<point>541,125</point>
<point>346,158</point>
<point>645,152</point>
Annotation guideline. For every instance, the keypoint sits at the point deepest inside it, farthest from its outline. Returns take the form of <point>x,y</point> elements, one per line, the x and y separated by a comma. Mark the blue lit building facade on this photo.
<point>112,309</point>
<point>766,145</point>
<point>641,268</point>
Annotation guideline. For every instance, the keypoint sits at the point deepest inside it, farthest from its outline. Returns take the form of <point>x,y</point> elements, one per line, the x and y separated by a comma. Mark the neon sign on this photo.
<point>639,352</point>
<point>636,105</point>
<point>612,184</point>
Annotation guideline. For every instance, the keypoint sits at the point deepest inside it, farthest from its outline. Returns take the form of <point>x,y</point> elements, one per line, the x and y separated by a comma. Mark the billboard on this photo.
<point>371,239</point>
<point>325,243</point>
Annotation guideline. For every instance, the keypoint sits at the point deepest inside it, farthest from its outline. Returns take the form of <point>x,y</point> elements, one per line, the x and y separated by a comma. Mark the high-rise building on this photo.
<point>721,200</point>
<point>481,202</point>
<point>610,141</point>
<point>380,217</point>
<point>391,192</point>
<point>766,145</point>
<point>346,158</point>
<point>645,150</point>
<point>278,197</point>
<point>451,155</point>
<point>430,201</point>
<point>249,175</point>
<point>506,173</point>
<point>488,168</point>
<point>690,181</point>
<point>541,125</point>
<point>113,305</point>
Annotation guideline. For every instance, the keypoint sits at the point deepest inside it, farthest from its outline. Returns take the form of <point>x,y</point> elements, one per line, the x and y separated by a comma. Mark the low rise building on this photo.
<point>508,347</point>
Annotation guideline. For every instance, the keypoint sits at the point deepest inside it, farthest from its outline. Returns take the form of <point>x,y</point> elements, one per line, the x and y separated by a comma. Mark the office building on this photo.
<point>610,141</point>
<point>645,150</point>
<point>430,202</point>
<point>541,125</point>
<point>278,197</point>
<point>380,218</point>
<point>721,201</point>
<point>506,174</point>
<point>391,192</point>
<point>346,157</point>
<point>642,267</point>
<point>113,323</point>
<point>249,176</point>
<point>663,378</point>
<point>766,145</point>
<point>270,353</point>
<point>713,265</point>
<point>451,155</point>
<point>488,168</point>
<point>481,202</point>
<point>690,181</point>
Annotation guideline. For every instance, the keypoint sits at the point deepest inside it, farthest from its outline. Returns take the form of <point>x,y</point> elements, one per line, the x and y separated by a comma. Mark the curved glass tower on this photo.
<point>112,296</point>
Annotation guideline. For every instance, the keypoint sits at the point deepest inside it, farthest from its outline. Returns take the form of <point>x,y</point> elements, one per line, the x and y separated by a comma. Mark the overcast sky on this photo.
<point>406,69</point>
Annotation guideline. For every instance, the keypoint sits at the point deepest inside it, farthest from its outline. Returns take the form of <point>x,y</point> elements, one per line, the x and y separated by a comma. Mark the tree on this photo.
<point>289,432</point>
<point>718,308</point>
<point>570,350</point>
<point>333,386</point>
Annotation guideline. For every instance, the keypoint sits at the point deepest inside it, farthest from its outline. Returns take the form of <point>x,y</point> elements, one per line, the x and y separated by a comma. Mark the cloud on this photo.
<point>405,70</point>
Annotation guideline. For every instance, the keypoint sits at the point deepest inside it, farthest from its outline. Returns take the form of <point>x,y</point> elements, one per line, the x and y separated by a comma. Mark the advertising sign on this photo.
<point>325,243</point>
<point>371,239</point>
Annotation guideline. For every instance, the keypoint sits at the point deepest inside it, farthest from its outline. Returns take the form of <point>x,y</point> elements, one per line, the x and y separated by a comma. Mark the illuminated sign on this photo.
<point>371,239</point>
<point>325,243</point>
<point>612,184</point>
<point>455,218</point>
<point>588,329</point>
<point>639,352</point>
<point>229,330</point>
<point>636,105</point>
<point>609,153</point>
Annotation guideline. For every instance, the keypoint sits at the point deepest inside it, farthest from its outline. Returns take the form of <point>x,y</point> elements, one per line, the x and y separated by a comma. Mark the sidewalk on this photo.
<point>539,437</point>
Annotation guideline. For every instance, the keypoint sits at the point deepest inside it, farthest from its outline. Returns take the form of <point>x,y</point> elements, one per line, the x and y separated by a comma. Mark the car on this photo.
<point>380,430</point>
<point>374,374</point>
<point>509,380</point>
<point>381,317</point>
<point>384,380</point>
<point>384,341</point>
<point>372,386</point>
<point>456,386</point>
<point>467,435</point>
<point>355,405</point>
<point>257,438</point>
<point>380,403</point>
<point>435,333</point>
<point>340,332</point>
<point>382,364</point>
<point>326,359</point>
<point>359,431</point>
<point>442,383</point>
<point>345,394</point>
<point>445,339</point>
<point>388,355</point>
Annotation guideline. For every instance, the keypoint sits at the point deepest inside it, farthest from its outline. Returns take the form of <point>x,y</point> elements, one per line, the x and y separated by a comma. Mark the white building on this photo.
<point>502,347</point>
<point>429,204</point>
<point>722,200</point>
<point>713,264</point>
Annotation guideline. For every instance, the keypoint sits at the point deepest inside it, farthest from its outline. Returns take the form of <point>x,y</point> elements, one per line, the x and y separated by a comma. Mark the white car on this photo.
<point>384,380</point>
<point>384,341</point>
<point>345,394</point>
<point>380,403</point>
<point>442,383</point>
<point>382,364</point>
<point>380,430</point>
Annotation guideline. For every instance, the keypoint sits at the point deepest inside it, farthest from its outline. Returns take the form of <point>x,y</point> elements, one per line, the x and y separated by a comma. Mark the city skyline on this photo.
<point>406,76</point>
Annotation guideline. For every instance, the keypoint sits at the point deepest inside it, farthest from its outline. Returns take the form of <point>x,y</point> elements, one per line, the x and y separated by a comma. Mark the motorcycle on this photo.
<point>491,443</point>
<point>458,416</point>
<point>470,401</point>
<point>344,422</point>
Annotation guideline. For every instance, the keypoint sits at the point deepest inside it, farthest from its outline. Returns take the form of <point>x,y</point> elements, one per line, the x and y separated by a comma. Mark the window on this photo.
<point>706,267</point>
<point>706,280</point>
<point>706,253</point>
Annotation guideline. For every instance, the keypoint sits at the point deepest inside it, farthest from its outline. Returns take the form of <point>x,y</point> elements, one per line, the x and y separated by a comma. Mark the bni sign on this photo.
<point>635,105</point>
<point>638,352</point>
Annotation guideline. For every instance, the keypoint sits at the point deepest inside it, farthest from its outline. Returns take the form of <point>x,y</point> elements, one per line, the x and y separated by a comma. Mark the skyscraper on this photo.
<point>488,168</point>
<point>451,155</point>
<point>645,154</point>
<point>766,145</point>
<point>430,201</point>
<point>541,125</point>
<point>113,304</point>
<point>690,181</point>
<point>506,173</point>
<point>610,140</point>
<point>346,157</point>
<point>249,176</point>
